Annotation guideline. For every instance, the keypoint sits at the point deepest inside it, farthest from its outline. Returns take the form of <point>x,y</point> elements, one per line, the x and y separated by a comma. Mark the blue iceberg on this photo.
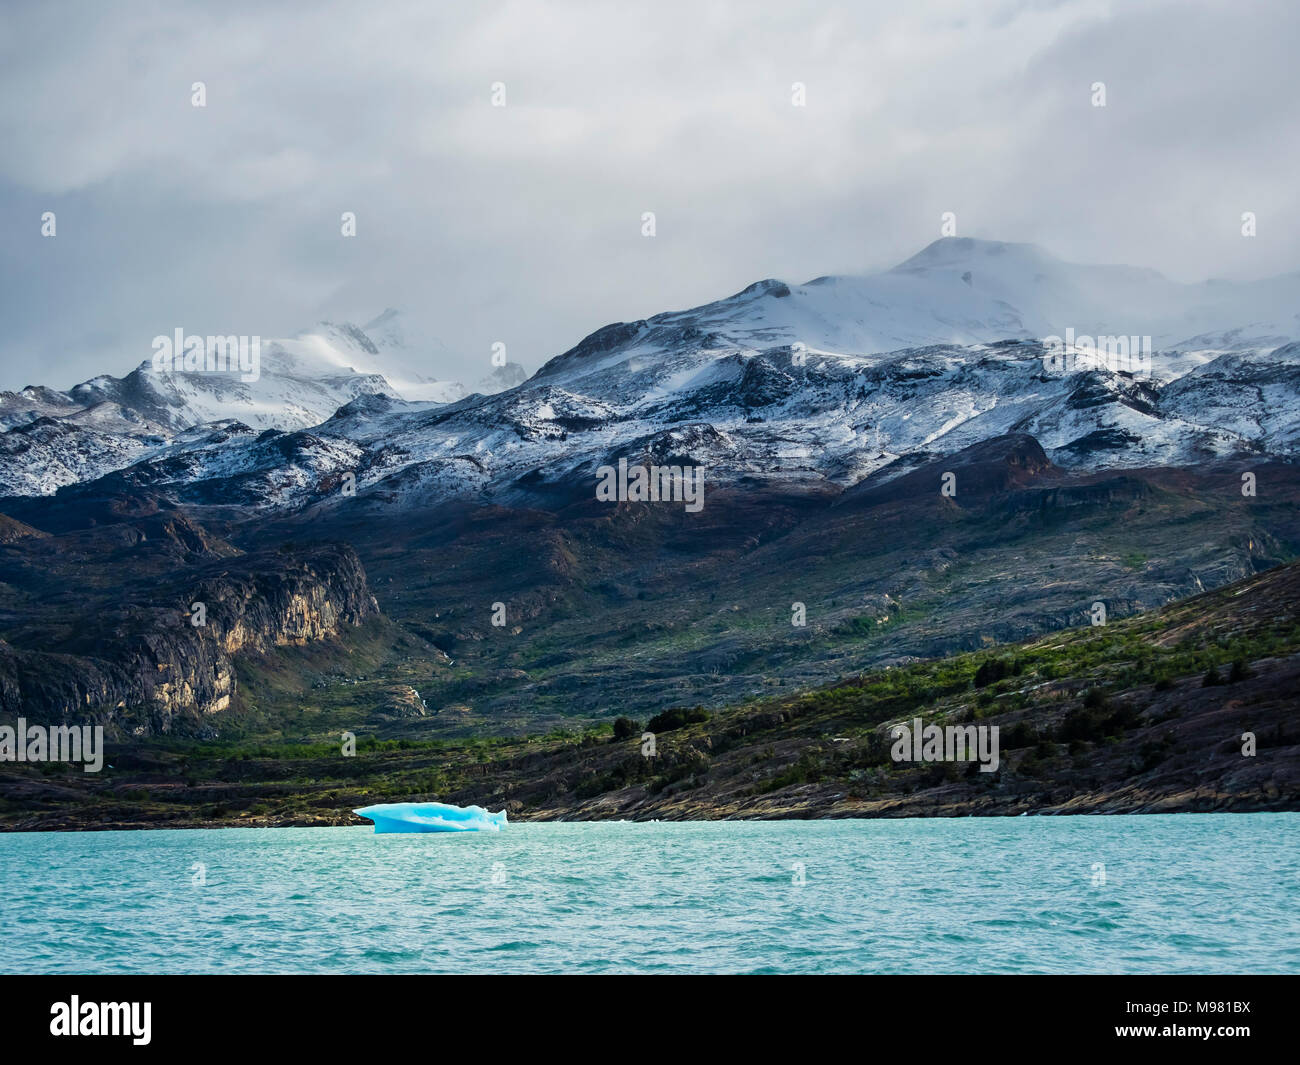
<point>431,817</point>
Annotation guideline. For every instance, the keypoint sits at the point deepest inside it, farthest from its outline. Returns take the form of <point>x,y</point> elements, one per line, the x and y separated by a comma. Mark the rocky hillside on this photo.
<point>1151,714</point>
<point>894,472</point>
<point>149,648</point>
<point>636,607</point>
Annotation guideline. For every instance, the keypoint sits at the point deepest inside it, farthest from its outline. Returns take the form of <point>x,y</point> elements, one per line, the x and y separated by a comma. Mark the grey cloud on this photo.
<point>522,224</point>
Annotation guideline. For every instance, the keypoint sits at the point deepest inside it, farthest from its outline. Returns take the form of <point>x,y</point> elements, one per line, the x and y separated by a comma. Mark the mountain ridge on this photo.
<point>836,380</point>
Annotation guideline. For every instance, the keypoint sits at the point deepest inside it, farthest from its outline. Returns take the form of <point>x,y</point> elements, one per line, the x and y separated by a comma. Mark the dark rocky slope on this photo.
<point>100,622</point>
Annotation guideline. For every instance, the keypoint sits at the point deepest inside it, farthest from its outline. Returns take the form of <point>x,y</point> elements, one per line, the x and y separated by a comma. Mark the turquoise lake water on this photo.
<point>1182,893</point>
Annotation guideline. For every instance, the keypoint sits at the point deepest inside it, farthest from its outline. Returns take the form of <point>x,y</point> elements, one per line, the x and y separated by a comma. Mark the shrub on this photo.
<point>1079,724</point>
<point>1095,699</point>
<point>1124,717</point>
<point>678,717</point>
<point>993,670</point>
<point>596,784</point>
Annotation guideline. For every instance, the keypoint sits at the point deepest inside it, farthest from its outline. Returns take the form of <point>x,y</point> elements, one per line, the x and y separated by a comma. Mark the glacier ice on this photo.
<point>431,817</point>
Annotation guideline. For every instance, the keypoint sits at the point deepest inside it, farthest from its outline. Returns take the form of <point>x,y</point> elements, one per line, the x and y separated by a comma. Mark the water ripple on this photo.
<point>968,895</point>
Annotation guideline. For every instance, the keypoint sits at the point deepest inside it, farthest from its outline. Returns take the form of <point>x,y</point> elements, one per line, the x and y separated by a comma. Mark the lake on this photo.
<point>1125,894</point>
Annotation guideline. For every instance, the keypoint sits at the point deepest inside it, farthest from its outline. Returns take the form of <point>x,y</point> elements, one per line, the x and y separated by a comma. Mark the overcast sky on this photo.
<point>523,223</point>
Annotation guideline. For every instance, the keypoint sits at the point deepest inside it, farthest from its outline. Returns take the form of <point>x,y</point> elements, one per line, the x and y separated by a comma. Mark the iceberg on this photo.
<point>431,817</point>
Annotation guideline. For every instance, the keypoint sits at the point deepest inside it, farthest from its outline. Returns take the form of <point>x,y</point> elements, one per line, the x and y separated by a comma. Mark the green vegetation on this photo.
<point>1087,708</point>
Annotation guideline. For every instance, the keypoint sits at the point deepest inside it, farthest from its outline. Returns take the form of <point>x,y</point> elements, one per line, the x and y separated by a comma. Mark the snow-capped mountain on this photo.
<point>957,291</point>
<point>56,438</point>
<point>824,383</point>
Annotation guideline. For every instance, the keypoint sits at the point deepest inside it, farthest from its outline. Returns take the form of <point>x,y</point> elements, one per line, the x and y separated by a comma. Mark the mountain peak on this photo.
<point>380,320</point>
<point>769,286</point>
<point>949,252</point>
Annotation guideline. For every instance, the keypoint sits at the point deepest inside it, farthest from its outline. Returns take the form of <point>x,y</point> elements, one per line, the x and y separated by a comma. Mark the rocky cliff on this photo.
<point>162,661</point>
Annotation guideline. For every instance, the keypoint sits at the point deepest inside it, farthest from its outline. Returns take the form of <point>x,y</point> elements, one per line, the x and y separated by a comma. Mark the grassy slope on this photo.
<point>1106,719</point>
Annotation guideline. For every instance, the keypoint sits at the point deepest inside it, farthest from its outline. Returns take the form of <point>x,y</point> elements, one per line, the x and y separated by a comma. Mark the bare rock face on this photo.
<point>401,700</point>
<point>153,668</point>
<point>283,601</point>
